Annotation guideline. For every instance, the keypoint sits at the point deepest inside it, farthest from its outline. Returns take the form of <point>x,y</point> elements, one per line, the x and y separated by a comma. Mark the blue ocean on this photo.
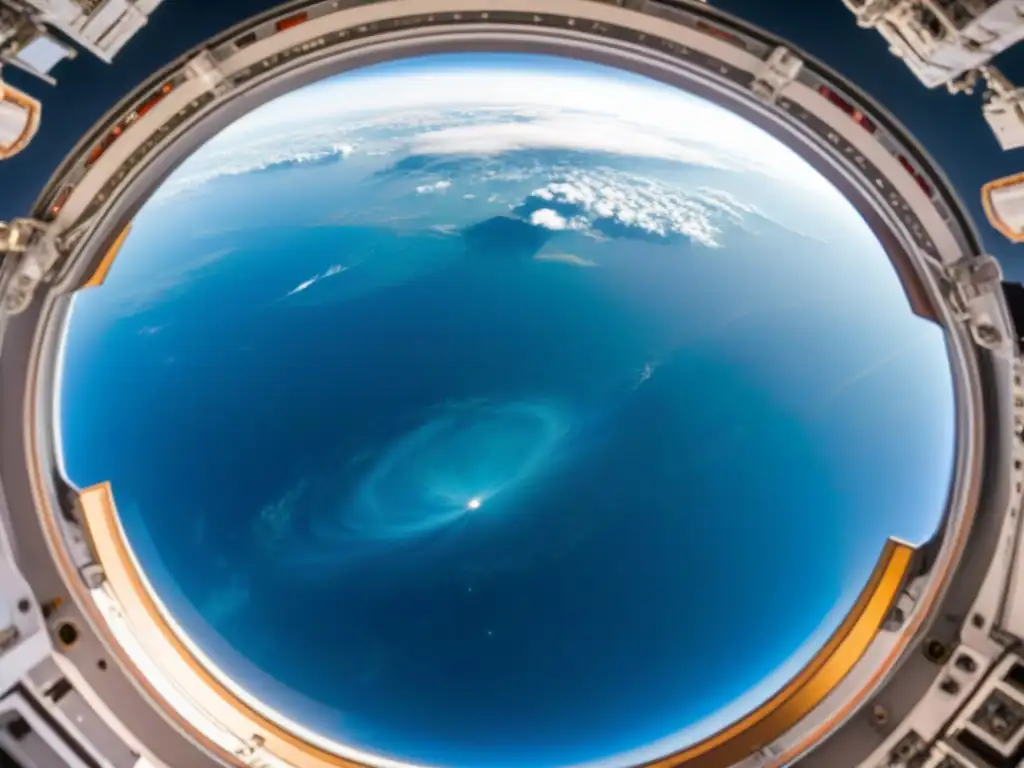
<point>456,488</point>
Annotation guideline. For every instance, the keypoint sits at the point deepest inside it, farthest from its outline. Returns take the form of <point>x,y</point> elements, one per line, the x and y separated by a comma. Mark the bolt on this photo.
<point>880,714</point>
<point>935,650</point>
<point>988,334</point>
<point>966,664</point>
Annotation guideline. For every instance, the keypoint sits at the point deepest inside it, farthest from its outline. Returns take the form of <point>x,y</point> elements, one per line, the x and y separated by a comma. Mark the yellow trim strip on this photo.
<point>30,105</point>
<point>769,721</point>
<point>107,537</point>
<point>100,274</point>
<point>990,211</point>
<point>809,688</point>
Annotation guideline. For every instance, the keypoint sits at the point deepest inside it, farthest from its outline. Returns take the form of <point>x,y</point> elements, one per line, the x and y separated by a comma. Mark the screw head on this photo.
<point>880,714</point>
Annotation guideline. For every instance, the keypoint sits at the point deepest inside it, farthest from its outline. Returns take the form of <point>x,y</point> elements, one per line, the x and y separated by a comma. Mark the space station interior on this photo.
<point>928,669</point>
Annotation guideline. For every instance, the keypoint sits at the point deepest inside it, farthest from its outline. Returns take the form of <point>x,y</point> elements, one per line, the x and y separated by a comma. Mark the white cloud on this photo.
<point>331,271</point>
<point>545,217</point>
<point>565,258</point>
<point>302,286</point>
<point>212,162</point>
<point>674,118</point>
<point>647,372</point>
<point>437,186</point>
<point>463,110</point>
<point>727,201</point>
<point>576,133</point>
<point>604,196</point>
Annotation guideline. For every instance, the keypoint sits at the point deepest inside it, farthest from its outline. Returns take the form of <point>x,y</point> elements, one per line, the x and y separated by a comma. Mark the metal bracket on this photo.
<point>253,752</point>
<point>1018,409</point>
<point>779,70</point>
<point>975,283</point>
<point>71,236</point>
<point>93,575</point>
<point>906,602</point>
<point>34,254</point>
<point>18,235</point>
<point>870,12</point>
<point>205,68</point>
<point>1003,108</point>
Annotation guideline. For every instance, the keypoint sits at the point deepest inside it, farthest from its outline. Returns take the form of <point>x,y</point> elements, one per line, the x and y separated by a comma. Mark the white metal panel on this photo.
<point>24,641</point>
<point>64,10</point>
<point>147,6</point>
<point>939,704</point>
<point>43,54</point>
<point>103,19</point>
<point>1005,115</point>
<point>124,30</point>
<point>43,747</point>
<point>942,41</point>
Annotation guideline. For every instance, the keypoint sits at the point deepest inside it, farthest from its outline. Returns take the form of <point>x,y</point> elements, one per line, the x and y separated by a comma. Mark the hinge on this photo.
<point>93,575</point>
<point>976,283</point>
<point>779,70</point>
<point>905,603</point>
<point>24,245</point>
<point>71,236</point>
<point>206,69</point>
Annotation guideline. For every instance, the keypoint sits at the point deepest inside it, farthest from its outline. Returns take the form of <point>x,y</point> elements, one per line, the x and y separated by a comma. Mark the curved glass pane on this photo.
<point>493,410</point>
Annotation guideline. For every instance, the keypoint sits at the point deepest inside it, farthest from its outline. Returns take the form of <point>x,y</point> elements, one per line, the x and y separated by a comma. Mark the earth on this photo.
<point>491,410</point>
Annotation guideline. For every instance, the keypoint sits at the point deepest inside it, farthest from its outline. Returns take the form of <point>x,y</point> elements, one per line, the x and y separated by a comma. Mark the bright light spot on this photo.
<point>473,504</point>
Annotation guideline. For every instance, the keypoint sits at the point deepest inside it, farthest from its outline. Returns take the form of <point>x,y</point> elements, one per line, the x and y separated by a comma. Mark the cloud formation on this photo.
<point>612,203</point>
<point>331,271</point>
<point>260,157</point>
<point>545,217</point>
<point>437,186</point>
<point>658,110</point>
<point>490,111</point>
<point>565,258</point>
<point>578,133</point>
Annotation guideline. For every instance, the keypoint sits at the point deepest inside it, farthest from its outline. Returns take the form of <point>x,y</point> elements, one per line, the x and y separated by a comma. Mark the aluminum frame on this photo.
<point>963,575</point>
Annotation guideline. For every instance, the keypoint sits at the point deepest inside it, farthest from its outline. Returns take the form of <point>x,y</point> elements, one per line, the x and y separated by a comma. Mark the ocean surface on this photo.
<point>454,488</point>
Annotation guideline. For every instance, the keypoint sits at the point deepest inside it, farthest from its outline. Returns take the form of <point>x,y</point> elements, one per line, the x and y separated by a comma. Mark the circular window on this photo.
<point>500,409</point>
